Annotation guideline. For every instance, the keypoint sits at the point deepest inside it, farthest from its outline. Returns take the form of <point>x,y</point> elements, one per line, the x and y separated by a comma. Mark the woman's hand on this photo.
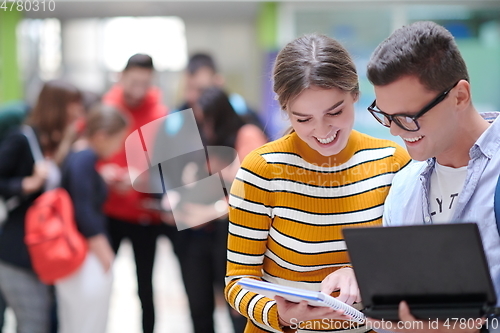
<point>35,182</point>
<point>116,177</point>
<point>99,245</point>
<point>69,136</point>
<point>344,280</point>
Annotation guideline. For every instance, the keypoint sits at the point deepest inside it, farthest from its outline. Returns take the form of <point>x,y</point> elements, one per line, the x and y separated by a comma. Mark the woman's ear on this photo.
<point>285,115</point>
<point>355,96</point>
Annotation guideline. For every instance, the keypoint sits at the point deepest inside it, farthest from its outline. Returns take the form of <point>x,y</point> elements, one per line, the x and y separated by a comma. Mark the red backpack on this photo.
<point>55,245</point>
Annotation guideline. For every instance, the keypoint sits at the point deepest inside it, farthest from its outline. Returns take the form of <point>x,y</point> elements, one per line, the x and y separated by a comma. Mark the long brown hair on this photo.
<point>50,114</point>
<point>313,60</point>
<point>218,112</point>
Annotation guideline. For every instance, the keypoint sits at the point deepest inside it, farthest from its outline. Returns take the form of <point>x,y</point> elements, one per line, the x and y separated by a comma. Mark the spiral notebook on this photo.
<point>314,298</point>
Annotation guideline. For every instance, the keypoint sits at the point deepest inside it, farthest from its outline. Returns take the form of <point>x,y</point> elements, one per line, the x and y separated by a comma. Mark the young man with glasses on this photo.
<point>423,95</point>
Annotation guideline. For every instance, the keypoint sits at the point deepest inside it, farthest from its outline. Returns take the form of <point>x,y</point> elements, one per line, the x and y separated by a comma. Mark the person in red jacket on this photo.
<point>126,209</point>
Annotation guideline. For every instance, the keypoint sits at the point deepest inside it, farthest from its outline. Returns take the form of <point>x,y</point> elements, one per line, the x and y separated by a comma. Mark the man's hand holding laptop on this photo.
<point>345,281</point>
<point>414,325</point>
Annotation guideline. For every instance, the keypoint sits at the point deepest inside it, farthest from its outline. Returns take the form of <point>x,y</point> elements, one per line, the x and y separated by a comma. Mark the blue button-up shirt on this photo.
<point>408,199</point>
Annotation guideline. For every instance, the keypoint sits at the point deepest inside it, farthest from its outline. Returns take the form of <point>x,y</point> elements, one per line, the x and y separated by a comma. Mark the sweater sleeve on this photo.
<point>250,217</point>
<point>81,186</point>
<point>401,158</point>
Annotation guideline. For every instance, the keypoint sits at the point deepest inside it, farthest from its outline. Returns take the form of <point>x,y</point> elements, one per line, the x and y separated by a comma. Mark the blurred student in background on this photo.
<point>222,126</point>
<point>11,115</point>
<point>201,73</point>
<point>202,249</point>
<point>83,297</point>
<point>54,120</point>
<point>135,95</point>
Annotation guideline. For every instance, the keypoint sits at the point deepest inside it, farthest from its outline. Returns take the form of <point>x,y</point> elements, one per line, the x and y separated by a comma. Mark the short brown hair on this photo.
<point>105,118</point>
<point>140,60</point>
<point>423,49</point>
<point>313,60</point>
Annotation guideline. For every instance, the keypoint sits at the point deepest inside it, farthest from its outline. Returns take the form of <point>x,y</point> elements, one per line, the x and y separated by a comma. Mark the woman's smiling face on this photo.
<point>323,118</point>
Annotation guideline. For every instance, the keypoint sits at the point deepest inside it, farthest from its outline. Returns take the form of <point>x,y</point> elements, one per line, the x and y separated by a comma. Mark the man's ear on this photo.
<point>463,94</point>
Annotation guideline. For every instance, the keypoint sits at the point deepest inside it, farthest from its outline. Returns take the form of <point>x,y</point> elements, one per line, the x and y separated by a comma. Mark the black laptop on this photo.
<point>440,270</point>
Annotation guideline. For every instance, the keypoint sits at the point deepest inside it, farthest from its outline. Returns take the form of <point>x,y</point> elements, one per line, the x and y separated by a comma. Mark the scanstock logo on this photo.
<point>167,158</point>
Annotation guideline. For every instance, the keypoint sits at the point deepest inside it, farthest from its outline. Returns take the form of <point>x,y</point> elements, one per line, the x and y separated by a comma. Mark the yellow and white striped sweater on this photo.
<point>288,206</point>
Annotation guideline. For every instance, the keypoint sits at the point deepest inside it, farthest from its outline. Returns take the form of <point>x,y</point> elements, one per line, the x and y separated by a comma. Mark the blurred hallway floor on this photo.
<point>172,312</point>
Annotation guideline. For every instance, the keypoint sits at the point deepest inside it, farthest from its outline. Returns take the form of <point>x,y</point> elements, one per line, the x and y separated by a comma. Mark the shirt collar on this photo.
<point>489,142</point>
<point>431,162</point>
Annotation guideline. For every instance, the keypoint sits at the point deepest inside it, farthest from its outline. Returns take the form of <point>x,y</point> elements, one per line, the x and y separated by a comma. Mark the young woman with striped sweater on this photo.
<point>292,197</point>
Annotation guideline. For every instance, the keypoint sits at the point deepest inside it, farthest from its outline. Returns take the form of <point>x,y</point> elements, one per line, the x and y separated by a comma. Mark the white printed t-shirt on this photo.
<point>446,184</point>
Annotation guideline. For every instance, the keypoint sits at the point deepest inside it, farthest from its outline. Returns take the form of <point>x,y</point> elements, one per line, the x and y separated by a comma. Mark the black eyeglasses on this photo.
<point>407,122</point>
